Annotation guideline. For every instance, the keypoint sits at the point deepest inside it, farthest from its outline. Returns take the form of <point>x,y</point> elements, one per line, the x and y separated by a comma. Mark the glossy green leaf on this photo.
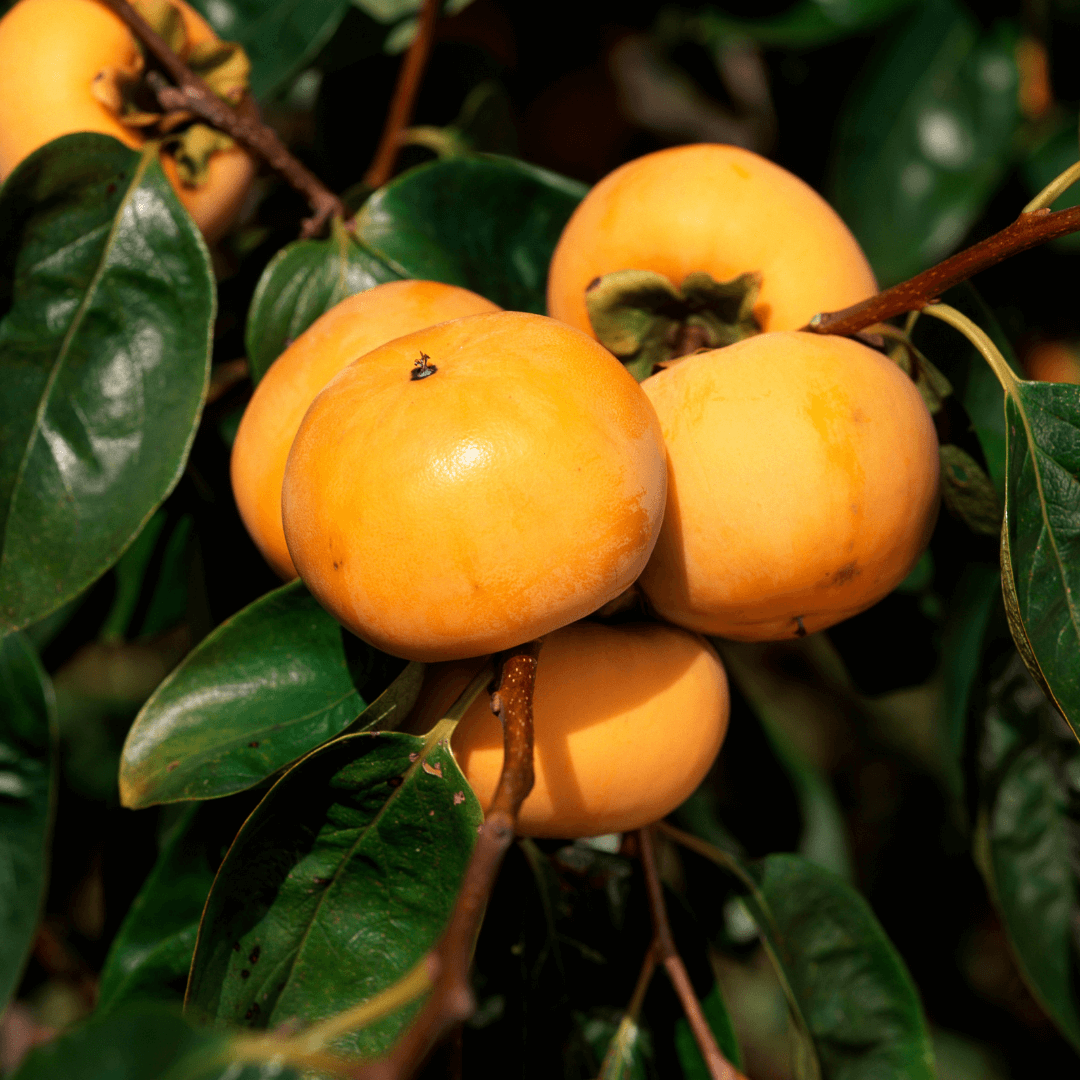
<point>926,138</point>
<point>266,687</point>
<point>27,768</point>
<point>145,1042</point>
<point>107,301</point>
<point>716,1012</point>
<point>856,1010</point>
<point>1027,832</point>
<point>805,24</point>
<point>150,957</point>
<point>487,223</point>
<point>304,279</point>
<point>1041,536</point>
<point>339,882</point>
<point>279,36</point>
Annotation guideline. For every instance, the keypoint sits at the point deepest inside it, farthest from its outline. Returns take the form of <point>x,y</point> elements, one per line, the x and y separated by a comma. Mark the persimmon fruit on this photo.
<point>351,328</point>
<point>627,721</point>
<point>51,51</point>
<point>474,485</point>
<point>802,485</point>
<point>715,209</point>
<point>1052,361</point>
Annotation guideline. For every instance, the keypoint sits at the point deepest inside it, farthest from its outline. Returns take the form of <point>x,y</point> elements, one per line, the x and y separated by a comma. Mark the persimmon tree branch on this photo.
<point>1029,230</point>
<point>243,124</point>
<point>663,948</point>
<point>451,999</point>
<point>404,99</point>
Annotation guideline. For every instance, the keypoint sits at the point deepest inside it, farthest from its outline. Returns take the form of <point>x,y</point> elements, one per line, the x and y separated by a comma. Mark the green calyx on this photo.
<point>645,320</point>
<point>223,66</point>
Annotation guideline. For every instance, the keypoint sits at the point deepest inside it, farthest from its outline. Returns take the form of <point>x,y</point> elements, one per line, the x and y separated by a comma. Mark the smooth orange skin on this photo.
<point>803,484</point>
<point>50,52</point>
<point>718,209</point>
<point>1052,361</point>
<point>517,489</point>
<point>627,721</point>
<point>351,328</point>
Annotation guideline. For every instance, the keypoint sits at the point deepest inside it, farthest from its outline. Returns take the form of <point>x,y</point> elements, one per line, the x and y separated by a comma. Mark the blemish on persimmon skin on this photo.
<point>738,170</point>
<point>845,573</point>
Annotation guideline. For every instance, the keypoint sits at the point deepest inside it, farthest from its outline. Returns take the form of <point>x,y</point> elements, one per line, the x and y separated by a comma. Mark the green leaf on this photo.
<point>150,957</point>
<point>1040,560</point>
<point>267,686</point>
<point>146,1042</point>
<point>487,223</point>
<point>716,1012</point>
<point>304,279</point>
<point>856,1011</point>
<point>27,770</point>
<point>1028,827</point>
<point>926,138</point>
<point>337,885</point>
<point>1051,157</point>
<point>108,300</point>
<point>805,24</point>
<point>279,36</point>
<point>968,492</point>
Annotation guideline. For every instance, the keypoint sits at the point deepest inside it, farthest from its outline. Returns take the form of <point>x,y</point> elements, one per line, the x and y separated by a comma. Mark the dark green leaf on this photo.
<point>108,300</point>
<point>803,25</point>
<point>150,957</point>
<point>716,1012</point>
<point>1049,159</point>
<point>27,767</point>
<point>968,492</point>
<point>857,1012</point>
<point>926,138</point>
<point>301,281</point>
<point>1028,829</point>
<point>487,223</point>
<point>279,36</point>
<point>1041,537</point>
<point>336,886</point>
<point>263,689</point>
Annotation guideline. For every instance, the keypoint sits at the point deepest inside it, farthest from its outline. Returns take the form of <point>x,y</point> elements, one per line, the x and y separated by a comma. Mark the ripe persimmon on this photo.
<point>627,721</point>
<point>1052,361</point>
<point>802,485</point>
<point>718,210</point>
<point>355,326</point>
<point>474,485</point>
<point>60,60</point>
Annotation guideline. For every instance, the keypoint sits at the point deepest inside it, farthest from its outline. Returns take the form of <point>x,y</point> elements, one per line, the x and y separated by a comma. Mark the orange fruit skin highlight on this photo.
<point>803,484</point>
<point>50,52</point>
<point>718,209</point>
<point>351,328</point>
<point>517,489</point>
<point>627,721</point>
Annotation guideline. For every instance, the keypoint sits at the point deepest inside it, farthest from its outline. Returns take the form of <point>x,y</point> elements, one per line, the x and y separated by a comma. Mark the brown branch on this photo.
<point>243,124</point>
<point>451,999</point>
<point>664,947</point>
<point>1027,231</point>
<point>404,99</point>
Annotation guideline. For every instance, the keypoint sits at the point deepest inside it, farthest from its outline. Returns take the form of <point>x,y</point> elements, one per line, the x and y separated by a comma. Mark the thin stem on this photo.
<point>404,100</point>
<point>467,696</point>
<point>980,339</point>
<point>664,947</point>
<point>1028,231</point>
<point>618,1047</point>
<point>1058,186</point>
<point>243,124</point>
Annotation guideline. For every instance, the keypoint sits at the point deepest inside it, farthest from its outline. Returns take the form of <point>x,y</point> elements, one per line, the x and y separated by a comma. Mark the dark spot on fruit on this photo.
<point>422,368</point>
<point>337,565</point>
<point>845,573</point>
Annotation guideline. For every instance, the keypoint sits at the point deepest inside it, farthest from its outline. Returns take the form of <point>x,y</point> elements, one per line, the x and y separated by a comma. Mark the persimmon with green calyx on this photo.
<point>627,720</point>
<point>698,247</point>
<point>802,485</point>
<point>351,328</point>
<point>472,486</point>
<point>72,65</point>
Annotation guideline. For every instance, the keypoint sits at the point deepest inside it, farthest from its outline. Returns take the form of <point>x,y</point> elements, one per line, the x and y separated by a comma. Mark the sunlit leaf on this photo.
<point>27,768</point>
<point>267,686</point>
<point>336,886</point>
<point>106,304</point>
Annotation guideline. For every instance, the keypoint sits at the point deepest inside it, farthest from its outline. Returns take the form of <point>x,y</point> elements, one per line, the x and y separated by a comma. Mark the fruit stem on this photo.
<point>404,99</point>
<point>1027,231</point>
<point>1058,186</point>
<point>981,340</point>
<point>622,1041</point>
<point>663,946</point>
<point>461,706</point>
<point>243,124</point>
